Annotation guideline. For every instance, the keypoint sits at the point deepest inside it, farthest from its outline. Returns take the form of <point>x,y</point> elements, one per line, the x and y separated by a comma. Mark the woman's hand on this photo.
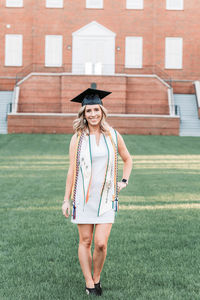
<point>121,185</point>
<point>66,208</point>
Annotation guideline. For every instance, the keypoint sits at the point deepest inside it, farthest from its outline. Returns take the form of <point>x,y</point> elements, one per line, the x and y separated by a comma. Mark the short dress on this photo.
<point>88,213</point>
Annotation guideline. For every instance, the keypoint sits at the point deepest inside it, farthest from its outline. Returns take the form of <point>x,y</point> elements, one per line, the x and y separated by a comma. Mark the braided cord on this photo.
<point>76,171</point>
<point>116,203</point>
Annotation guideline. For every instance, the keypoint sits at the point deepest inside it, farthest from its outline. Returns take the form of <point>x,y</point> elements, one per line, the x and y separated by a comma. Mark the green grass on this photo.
<point>153,250</point>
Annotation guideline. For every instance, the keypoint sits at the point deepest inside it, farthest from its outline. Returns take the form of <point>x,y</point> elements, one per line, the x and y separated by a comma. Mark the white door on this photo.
<point>93,53</point>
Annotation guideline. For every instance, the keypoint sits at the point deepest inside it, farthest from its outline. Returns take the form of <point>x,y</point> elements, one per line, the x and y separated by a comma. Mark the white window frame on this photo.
<point>14,3</point>
<point>9,61</point>
<point>96,6</point>
<point>139,40</point>
<point>178,57</point>
<point>54,3</point>
<point>134,4</point>
<point>174,4</point>
<point>60,39</point>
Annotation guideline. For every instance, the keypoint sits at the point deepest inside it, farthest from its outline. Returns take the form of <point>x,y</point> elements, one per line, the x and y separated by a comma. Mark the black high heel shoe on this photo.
<point>98,288</point>
<point>91,291</point>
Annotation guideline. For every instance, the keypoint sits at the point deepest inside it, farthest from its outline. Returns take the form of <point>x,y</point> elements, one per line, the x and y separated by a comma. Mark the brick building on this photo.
<point>139,49</point>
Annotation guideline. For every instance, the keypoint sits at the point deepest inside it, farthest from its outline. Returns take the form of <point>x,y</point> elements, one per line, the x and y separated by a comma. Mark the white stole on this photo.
<point>105,202</point>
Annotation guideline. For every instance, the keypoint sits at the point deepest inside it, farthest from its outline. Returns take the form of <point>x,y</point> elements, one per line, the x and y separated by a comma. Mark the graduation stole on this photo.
<point>83,162</point>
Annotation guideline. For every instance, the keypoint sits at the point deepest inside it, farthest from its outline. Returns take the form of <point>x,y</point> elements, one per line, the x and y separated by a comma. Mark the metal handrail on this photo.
<point>8,109</point>
<point>177,111</point>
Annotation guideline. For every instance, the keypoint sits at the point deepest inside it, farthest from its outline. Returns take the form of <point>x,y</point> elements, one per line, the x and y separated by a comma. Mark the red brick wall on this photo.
<point>63,124</point>
<point>21,22</point>
<point>7,84</point>
<point>181,87</point>
<point>153,23</point>
<point>130,95</point>
<point>40,94</point>
<point>183,24</point>
<point>73,85</point>
<point>146,96</point>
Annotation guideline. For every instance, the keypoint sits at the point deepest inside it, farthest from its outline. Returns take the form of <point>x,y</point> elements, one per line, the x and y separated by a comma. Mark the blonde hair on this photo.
<point>79,125</point>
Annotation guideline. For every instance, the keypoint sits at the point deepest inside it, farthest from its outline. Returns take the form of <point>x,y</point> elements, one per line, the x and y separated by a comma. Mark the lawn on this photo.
<point>154,247</point>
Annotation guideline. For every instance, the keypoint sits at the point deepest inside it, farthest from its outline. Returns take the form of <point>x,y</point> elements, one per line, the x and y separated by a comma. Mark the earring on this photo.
<point>84,121</point>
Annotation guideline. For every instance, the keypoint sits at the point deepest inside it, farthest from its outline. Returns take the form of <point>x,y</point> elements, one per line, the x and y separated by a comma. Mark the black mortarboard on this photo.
<point>90,97</point>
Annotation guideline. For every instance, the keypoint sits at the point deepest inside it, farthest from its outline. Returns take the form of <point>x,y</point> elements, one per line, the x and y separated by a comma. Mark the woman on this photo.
<point>92,183</point>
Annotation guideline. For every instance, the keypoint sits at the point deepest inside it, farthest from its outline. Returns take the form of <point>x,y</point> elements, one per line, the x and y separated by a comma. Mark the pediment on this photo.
<point>94,29</point>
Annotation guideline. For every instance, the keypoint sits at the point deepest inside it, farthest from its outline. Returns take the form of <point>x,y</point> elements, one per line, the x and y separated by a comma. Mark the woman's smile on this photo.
<point>93,114</point>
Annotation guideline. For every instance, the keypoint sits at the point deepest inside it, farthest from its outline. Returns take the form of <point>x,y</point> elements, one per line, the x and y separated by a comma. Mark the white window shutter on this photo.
<point>134,4</point>
<point>53,50</point>
<point>54,3</point>
<point>174,4</point>
<point>94,3</point>
<point>134,52</point>
<point>13,49</point>
<point>173,53</point>
<point>14,3</point>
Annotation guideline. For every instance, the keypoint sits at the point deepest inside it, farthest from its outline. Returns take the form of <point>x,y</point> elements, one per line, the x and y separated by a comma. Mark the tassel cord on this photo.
<point>76,175</point>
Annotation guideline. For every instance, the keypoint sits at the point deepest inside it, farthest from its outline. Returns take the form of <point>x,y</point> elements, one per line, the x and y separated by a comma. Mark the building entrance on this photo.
<point>93,50</point>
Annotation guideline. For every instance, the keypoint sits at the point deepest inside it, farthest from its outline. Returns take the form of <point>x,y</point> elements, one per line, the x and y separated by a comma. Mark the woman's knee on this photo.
<point>101,245</point>
<point>85,242</point>
<point>85,234</point>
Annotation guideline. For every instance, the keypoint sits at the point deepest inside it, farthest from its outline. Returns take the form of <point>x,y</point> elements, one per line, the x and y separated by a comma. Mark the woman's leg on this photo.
<point>84,252</point>
<point>102,232</point>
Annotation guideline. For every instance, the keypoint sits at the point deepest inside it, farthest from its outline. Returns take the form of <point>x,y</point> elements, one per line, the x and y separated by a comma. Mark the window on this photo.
<point>133,58</point>
<point>14,3</point>
<point>174,4</point>
<point>94,3</point>
<point>134,4</point>
<point>54,3</point>
<point>53,50</point>
<point>173,52</point>
<point>13,49</point>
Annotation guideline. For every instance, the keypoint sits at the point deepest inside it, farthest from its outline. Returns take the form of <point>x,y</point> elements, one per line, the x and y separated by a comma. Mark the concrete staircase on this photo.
<point>5,99</point>
<point>189,120</point>
<point>137,105</point>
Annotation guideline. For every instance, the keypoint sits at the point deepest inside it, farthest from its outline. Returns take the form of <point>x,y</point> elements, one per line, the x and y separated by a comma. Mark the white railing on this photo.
<point>15,99</point>
<point>171,102</point>
<point>197,88</point>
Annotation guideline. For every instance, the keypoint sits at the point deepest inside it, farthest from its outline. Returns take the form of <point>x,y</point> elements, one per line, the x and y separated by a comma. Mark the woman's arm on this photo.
<point>70,175</point>
<point>125,155</point>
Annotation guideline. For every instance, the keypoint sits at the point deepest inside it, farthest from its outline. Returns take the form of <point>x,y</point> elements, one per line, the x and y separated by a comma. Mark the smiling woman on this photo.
<point>92,182</point>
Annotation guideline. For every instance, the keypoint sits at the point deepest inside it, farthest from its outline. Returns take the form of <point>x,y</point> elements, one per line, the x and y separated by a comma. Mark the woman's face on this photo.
<point>93,114</point>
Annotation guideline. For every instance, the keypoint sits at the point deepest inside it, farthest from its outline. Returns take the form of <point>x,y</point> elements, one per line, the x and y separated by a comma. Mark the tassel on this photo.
<point>74,212</point>
<point>116,205</point>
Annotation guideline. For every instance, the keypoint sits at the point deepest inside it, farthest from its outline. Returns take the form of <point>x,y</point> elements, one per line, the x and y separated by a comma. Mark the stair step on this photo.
<point>190,122</point>
<point>5,99</point>
<point>189,133</point>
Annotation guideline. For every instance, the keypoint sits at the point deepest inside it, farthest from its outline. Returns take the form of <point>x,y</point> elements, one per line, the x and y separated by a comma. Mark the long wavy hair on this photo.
<point>79,125</point>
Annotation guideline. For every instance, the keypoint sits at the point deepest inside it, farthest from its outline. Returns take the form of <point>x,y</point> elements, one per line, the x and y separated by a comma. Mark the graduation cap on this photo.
<point>90,97</point>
